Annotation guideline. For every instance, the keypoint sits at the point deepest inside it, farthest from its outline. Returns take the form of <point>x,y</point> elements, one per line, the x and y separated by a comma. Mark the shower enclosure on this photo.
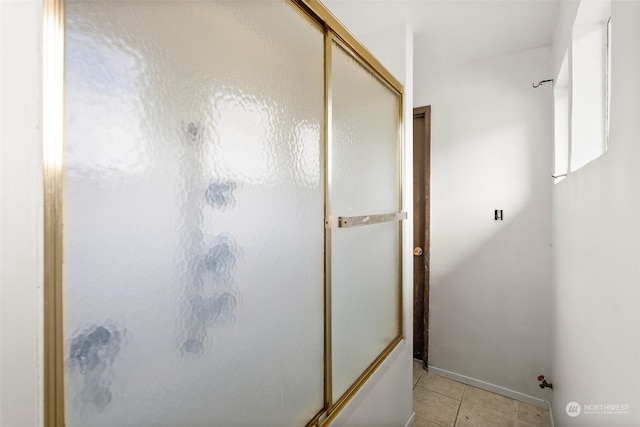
<point>223,225</point>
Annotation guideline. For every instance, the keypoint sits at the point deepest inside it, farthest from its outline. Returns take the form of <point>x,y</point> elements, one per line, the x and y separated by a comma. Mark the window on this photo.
<point>561,119</point>
<point>582,91</point>
<point>588,94</point>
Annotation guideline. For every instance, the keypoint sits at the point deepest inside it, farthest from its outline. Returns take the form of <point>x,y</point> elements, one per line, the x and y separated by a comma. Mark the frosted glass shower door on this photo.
<point>193,214</point>
<point>365,192</point>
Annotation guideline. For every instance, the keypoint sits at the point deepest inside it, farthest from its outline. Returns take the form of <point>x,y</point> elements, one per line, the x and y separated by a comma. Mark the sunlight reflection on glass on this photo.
<point>242,129</point>
<point>105,96</point>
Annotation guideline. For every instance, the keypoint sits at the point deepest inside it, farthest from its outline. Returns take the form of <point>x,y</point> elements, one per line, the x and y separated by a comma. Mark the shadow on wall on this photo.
<point>491,149</point>
<point>490,312</point>
<point>490,315</point>
<point>491,171</point>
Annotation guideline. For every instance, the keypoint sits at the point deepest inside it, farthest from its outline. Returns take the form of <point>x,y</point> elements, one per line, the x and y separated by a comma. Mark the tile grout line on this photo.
<point>464,390</point>
<point>443,395</point>
<point>418,380</point>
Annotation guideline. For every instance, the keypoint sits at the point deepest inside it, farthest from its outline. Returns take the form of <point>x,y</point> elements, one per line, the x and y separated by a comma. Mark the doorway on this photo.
<point>421,214</point>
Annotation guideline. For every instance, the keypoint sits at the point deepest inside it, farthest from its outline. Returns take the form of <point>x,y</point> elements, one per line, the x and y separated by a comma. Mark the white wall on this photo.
<point>386,399</point>
<point>490,281</point>
<point>20,214</point>
<point>596,258</point>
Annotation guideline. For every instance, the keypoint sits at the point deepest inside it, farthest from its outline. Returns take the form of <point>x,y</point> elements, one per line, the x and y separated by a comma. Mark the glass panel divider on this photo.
<point>328,392</point>
<point>52,145</point>
<point>53,63</point>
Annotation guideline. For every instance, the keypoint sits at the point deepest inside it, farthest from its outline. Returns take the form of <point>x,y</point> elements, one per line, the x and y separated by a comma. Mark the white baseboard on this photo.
<point>503,391</point>
<point>412,419</point>
<point>551,415</point>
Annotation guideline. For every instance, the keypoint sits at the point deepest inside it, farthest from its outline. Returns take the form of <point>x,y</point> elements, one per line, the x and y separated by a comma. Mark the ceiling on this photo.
<point>449,32</point>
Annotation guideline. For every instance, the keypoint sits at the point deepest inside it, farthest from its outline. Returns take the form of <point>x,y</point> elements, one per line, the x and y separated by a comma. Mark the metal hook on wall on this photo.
<point>540,84</point>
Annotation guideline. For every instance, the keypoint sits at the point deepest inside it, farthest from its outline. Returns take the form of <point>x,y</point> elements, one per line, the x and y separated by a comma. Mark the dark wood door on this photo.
<point>421,201</point>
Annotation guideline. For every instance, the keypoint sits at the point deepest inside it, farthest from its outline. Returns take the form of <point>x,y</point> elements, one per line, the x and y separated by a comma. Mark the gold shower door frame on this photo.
<point>53,153</point>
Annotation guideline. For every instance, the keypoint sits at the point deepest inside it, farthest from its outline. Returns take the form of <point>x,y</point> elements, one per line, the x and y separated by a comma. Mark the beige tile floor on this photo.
<point>439,401</point>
